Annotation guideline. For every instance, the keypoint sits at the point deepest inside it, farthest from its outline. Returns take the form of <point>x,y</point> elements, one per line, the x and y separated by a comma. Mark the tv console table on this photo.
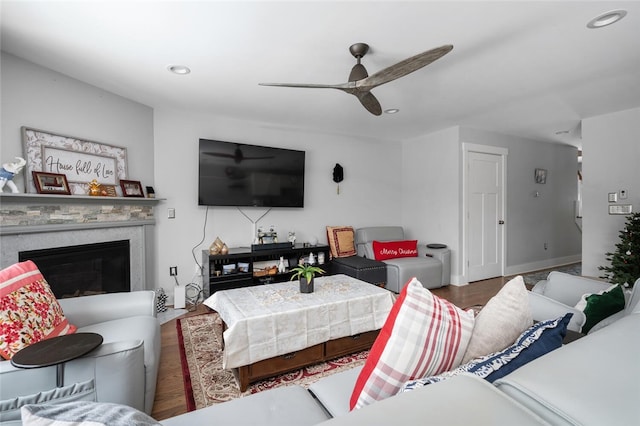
<point>243,267</point>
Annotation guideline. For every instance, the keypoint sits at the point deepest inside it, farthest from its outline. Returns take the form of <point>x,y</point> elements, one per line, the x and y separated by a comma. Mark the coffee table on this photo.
<point>273,328</point>
<point>56,351</point>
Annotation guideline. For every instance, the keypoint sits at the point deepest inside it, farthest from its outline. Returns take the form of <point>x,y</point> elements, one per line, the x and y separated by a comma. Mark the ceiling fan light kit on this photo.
<point>607,18</point>
<point>360,83</point>
<point>179,69</point>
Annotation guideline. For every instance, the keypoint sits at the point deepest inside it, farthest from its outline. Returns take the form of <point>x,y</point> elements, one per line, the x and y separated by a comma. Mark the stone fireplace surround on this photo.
<point>34,222</point>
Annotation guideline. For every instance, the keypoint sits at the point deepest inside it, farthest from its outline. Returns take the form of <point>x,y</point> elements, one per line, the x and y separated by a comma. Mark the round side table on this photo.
<point>56,351</point>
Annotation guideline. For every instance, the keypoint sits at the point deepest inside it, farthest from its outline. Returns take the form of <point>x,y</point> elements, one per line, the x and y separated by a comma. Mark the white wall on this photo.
<point>369,195</point>
<point>611,153</point>
<point>39,98</point>
<point>430,191</point>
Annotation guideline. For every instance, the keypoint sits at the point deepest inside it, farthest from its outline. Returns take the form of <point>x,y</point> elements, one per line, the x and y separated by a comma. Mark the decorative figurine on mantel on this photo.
<point>95,188</point>
<point>8,171</point>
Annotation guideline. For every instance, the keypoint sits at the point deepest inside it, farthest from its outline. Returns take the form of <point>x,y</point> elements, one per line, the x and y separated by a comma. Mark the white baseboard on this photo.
<point>544,264</point>
<point>460,280</point>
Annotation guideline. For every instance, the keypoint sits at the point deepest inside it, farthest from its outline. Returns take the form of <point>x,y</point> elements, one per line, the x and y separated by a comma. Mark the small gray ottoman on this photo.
<point>364,269</point>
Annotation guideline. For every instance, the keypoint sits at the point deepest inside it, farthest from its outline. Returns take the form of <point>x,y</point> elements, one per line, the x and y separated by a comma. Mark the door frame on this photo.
<point>483,149</point>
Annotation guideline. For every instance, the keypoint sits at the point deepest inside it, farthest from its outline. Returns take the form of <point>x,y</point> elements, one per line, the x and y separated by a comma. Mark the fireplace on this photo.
<point>85,269</point>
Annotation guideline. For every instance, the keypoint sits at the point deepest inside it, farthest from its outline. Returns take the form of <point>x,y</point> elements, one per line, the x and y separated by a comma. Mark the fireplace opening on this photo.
<point>85,269</point>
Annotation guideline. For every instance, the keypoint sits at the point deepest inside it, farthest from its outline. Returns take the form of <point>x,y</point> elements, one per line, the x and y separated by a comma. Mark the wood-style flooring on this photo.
<point>170,399</point>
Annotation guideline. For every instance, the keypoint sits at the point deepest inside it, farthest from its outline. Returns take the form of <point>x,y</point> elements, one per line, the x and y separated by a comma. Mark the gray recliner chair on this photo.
<point>431,268</point>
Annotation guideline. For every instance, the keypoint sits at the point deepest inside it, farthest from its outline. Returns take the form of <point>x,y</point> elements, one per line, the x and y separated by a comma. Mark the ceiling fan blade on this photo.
<point>405,67</point>
<point>307,86</point>
<point>369,102</point>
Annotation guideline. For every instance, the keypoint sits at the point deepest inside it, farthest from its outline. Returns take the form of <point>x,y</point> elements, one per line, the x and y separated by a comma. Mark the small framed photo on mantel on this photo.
<point>51,183</point>
<point>131,188</point>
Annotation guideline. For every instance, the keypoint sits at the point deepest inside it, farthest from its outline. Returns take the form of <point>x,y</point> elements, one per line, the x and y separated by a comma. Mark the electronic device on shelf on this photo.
<point>235,174</point>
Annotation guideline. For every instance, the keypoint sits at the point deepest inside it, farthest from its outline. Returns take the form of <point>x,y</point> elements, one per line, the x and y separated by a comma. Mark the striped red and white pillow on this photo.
<point>422,336</point>
<point>29,311</point>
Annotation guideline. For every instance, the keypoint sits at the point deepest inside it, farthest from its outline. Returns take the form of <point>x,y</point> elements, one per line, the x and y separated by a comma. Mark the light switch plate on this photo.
<point>620,209</point>
<point>613,197</point>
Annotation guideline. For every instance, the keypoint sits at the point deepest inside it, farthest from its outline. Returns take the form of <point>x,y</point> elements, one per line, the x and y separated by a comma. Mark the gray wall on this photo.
<point>533,221</point>
<point>432,191</point>
<point>39,98</point>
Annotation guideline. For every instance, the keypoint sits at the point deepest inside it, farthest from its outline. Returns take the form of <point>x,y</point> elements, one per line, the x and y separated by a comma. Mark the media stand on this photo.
<point>243,267</point>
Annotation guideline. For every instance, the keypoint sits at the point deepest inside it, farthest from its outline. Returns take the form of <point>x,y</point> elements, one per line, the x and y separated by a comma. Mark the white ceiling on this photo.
<point>528,68</point>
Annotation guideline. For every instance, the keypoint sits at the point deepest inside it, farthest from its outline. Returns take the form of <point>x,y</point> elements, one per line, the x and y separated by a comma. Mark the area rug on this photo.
<point>207,383</point>
<point>534,277</point>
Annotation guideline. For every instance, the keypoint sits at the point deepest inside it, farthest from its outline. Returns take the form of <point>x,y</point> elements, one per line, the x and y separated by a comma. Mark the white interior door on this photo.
<point>484,215</point>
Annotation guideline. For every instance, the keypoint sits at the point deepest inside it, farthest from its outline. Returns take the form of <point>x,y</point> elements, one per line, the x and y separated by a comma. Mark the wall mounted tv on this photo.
<point>235,174</point>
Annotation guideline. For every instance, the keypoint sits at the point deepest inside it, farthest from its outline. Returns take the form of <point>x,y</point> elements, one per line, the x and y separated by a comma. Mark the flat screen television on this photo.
<point>235,174</point>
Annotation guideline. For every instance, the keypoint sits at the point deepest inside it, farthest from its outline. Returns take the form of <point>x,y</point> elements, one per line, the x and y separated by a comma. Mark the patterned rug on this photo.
<point>207,383</point>
<point>534,277</point>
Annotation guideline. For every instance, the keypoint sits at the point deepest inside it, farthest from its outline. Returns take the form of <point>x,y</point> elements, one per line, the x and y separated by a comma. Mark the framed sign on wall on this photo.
<point>80,160</point>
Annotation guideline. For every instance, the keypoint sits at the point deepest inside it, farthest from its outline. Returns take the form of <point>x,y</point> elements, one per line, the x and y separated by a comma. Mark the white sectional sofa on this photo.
<point>594,380</point>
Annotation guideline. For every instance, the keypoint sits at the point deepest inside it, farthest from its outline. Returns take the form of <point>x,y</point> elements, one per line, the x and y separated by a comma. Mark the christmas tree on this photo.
<point>625,261</point>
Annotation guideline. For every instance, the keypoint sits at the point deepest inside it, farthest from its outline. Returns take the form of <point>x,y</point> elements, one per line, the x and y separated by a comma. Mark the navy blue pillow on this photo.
<point>541,338</point>
<point>553,333</point>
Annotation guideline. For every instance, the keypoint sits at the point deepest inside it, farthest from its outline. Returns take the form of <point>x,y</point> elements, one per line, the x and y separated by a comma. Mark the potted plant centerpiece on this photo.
<point>305,273</point>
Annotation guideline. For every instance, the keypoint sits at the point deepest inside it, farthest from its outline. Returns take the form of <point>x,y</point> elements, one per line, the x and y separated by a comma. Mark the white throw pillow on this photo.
<point>501,321</point>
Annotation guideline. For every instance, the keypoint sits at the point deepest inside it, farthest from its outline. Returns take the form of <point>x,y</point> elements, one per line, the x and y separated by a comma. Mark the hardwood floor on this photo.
<point>170,400</point>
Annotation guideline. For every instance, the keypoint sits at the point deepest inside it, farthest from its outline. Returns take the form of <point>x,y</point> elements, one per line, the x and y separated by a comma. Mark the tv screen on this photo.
<point>234,174</point>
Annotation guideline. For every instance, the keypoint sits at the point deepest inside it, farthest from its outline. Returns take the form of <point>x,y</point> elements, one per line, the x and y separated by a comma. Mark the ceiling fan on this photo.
<point>360,83</point>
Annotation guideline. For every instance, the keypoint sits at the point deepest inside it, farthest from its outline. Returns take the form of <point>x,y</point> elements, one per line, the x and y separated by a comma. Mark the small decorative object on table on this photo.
<point>8,171</point>
<point>267,237</point>
<point>150,192</point>
<point>161,300</point>
<point>218,247</point>
<point>305,273</point>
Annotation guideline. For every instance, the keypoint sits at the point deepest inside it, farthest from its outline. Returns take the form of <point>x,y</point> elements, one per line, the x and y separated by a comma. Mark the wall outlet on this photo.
<point>173,271</point>
<point>546,246</point>
<point>197,270</point>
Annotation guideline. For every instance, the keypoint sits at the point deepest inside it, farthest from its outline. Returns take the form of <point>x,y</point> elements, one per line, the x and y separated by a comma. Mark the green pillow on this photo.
<point>600,306</point>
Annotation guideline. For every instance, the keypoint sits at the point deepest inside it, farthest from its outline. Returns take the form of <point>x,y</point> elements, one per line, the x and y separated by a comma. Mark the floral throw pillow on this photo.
<point>29,311</point>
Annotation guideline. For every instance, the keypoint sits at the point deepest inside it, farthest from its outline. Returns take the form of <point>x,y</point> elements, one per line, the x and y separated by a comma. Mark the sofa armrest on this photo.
<point>87,310</point>
<point>568,289</point>
<point>544,308</point>
<point>117,369</point>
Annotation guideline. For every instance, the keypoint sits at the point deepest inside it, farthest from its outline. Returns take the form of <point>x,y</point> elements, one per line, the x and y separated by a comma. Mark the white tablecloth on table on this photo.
<point>275,319</point>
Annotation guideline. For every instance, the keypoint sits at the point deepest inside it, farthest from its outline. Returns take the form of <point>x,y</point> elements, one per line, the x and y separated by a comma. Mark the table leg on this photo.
<point>60,375</point>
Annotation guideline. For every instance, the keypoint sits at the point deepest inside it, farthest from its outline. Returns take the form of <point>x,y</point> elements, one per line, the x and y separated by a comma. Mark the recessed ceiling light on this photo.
<point>607,18</point>
<point>391,110</point>
<point>179,69</point>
